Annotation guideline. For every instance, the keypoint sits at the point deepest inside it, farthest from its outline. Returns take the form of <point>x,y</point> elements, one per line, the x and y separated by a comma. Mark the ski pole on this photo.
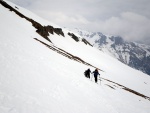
<point>91,76</point>
<point>100,79</point>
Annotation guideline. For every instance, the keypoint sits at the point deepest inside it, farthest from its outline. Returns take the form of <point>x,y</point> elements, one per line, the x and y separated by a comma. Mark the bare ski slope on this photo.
<point>35,79</point>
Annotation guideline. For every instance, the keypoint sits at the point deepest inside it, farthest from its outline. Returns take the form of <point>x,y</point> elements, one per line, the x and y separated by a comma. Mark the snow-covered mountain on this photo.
<point>42,65</point>
<point>134,54</point>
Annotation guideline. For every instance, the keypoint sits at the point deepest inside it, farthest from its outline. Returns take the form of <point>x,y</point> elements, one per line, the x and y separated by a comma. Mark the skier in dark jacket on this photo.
<point>87,73</point>
<point>96,73</point>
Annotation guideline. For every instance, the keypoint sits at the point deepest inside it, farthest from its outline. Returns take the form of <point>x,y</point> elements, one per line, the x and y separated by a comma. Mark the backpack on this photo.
<point>85,73</point>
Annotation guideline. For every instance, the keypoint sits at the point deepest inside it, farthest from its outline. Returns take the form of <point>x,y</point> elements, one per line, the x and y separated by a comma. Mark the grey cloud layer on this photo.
<point>127,18</point>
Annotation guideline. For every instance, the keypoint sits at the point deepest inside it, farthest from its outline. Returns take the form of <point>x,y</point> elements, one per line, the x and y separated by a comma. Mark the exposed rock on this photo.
<point>41,30</point>
<point>16,7</point>
<point>86,42</point>
<point>74,37</point>
<point>102,40</point>
<point>58,31</point>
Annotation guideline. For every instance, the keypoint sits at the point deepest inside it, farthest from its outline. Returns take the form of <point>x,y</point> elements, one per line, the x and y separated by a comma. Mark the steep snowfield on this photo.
<point>35,79</point>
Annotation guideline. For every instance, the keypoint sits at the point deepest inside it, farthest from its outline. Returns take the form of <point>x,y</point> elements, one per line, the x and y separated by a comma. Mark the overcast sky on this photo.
<point>127,18</point>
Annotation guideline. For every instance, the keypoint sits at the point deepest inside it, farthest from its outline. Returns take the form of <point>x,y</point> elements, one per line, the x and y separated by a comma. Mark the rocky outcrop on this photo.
<point>86,42</point>
<point>41,30</point>
<point>74,37</point>
<point>77,39</point>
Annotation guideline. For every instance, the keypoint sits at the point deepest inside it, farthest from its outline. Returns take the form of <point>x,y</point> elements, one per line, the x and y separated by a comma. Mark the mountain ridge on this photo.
<point>133,54</point>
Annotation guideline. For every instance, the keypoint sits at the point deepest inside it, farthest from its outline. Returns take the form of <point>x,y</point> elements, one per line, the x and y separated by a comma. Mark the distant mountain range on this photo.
<point>133,54</point>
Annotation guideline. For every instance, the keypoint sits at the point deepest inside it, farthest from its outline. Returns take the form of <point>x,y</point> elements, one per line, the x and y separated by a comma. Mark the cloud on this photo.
<point>129,25</point>
<point>23,3</point>
<point>127,18</point>
<point>64,20</point>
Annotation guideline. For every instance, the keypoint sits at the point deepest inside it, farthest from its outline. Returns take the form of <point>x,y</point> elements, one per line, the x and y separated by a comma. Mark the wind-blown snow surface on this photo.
<point>35,79</point>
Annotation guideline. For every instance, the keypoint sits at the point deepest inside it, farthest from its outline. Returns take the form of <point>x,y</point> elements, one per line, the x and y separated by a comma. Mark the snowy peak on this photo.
<point>133,54</point>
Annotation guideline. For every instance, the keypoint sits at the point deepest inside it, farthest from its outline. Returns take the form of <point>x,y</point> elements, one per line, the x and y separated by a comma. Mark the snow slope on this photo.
<point>35,79</point>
